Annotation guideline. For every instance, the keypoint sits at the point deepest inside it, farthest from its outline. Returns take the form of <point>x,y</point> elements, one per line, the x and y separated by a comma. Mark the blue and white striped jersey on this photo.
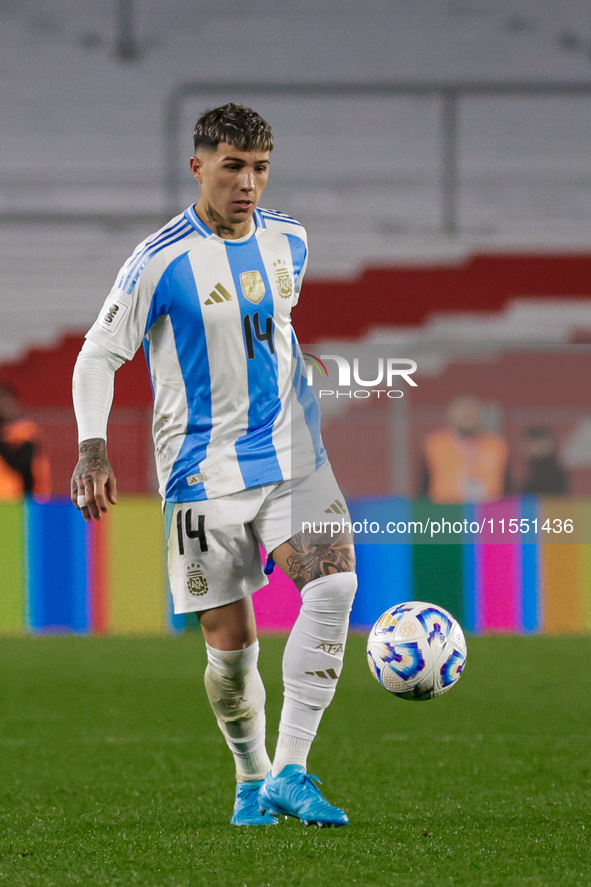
<point>232,407</point>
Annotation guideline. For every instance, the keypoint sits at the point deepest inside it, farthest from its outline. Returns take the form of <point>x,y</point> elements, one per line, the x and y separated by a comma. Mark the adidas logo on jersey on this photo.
<point>337,507</point>
<point>218,294</point>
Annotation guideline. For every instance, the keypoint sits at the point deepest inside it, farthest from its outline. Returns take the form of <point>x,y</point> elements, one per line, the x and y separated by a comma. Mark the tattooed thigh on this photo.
<point>307,556</point>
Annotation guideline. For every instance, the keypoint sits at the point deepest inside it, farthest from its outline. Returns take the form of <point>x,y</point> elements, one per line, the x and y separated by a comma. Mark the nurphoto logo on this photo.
<point>385,371</point>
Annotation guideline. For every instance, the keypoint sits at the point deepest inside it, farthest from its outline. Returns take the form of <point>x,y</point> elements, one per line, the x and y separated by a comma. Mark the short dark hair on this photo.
<point>236,124</point>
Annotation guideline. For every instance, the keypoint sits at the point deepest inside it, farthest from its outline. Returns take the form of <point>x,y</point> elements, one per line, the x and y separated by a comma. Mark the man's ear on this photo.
<point>195,164</point>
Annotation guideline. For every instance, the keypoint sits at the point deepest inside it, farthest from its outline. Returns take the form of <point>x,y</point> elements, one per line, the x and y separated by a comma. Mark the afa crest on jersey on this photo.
<point>283,279</point>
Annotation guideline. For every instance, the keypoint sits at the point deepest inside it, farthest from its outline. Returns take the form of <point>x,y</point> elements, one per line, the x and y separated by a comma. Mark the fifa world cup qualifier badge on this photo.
<point>113,316</point>
<point>196,581</point>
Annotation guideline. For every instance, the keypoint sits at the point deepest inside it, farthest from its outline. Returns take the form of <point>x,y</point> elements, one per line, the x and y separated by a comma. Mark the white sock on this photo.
<point>312,664</point>
<point>237,696</point>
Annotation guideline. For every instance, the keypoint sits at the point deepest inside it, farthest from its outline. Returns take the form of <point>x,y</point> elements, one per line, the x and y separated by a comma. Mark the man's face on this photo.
<point>232,183</point>
<point>466,415</point>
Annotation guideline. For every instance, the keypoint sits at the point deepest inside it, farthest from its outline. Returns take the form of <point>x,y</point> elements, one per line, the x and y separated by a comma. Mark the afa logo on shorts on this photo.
<point>196,581</point>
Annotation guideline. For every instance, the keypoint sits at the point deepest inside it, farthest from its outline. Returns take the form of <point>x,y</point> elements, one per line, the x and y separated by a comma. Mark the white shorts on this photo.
<point>214,545</point>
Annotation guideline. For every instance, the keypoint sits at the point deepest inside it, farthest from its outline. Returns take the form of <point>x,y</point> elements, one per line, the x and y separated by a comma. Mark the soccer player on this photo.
<point>238,448</point>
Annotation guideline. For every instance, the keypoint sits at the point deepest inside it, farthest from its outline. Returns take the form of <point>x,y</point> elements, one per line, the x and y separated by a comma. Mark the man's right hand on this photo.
<point>93,484</point>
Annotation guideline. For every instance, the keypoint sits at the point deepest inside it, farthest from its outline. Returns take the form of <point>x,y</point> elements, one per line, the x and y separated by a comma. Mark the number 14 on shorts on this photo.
<point>185,527</point>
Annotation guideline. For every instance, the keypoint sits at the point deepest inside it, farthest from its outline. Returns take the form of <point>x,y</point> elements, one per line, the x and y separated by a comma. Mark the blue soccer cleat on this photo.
<point>294,793</point>
<point>246,806</point>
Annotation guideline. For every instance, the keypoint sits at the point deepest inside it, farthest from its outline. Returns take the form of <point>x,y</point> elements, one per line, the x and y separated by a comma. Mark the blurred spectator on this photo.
<point>464,462</point>
<point>545,473</point>
<point>24,468</point>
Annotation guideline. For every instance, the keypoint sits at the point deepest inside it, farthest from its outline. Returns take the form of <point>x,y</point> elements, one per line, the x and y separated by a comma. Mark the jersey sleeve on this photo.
<point>133,303</point>
<point>121,324</point>
<point>300,266</point>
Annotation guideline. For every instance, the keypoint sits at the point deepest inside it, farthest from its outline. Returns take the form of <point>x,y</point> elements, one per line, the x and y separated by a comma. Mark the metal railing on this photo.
<point>450,96</point>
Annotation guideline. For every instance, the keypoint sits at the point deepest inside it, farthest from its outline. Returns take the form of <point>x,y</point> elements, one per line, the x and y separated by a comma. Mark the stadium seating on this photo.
<point>83,161</point>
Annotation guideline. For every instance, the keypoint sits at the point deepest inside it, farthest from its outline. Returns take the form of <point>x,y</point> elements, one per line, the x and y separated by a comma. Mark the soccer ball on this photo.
<point>416,650</point>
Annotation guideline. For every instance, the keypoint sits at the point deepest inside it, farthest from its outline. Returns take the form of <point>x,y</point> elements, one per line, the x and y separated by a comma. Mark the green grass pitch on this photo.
<point>112,771</point>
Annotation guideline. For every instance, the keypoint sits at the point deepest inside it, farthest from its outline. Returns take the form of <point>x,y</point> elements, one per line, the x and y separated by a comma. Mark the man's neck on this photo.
<point>221,227</point>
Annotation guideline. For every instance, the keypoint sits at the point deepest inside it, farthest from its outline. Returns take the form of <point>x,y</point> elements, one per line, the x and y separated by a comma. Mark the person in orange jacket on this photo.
<point>464,462</point>
<point>24,467</point>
